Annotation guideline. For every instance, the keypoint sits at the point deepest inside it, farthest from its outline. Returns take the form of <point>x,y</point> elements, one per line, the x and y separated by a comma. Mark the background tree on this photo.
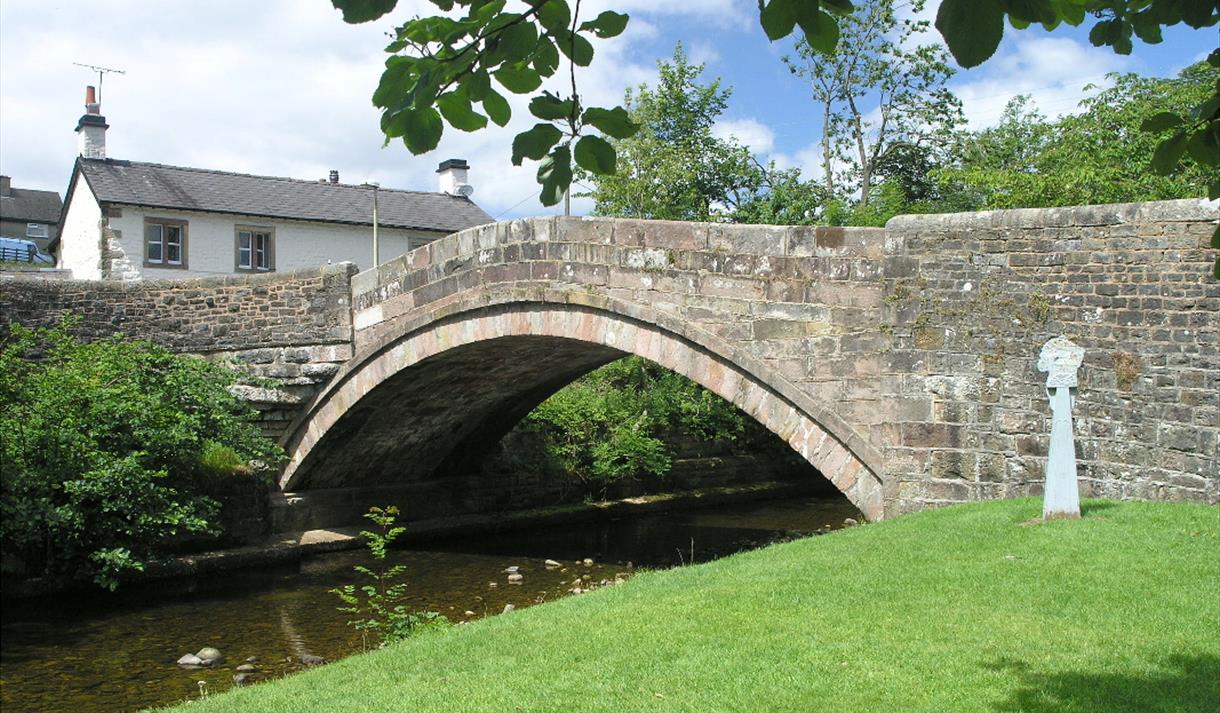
<point>1100,155</point>
<point>877,94</point>
<point>673,167</point>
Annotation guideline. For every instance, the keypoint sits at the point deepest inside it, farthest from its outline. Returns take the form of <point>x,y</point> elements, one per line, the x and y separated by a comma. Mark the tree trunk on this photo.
<point>826,168</point>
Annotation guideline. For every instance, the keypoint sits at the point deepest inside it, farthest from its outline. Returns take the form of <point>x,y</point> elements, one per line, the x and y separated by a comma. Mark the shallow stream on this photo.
<point>100,652</point>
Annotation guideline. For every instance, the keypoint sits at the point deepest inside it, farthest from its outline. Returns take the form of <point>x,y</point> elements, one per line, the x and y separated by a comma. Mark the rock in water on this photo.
<point>850,522</point>
<point>190,660</point>
<point>210,656</point>
<point>246,668</point>
<point>515,578</point>
<point>551,563</point>
<point>508,608</point>
<point>311,660</point>
<point>239,679</point>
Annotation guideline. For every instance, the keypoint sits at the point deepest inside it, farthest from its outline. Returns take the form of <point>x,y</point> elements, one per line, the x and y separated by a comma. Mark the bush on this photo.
<point>103,446</point>
<point>613,423</point>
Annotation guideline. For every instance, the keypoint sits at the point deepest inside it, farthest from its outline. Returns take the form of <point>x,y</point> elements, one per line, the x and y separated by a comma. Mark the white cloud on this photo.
<point>750,132</point>
<point>1052,70</point>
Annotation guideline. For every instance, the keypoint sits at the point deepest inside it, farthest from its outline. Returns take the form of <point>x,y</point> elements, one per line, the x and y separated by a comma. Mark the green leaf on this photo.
<point>614,122</point>
<point>1069,11</point>
<point>455,107</point>
<point>778,18</point>
<point>357,11</point>
<point>607,24</point>
<point>534,144</point>
<point>596,155</point>
<point>1030,11</point>
<point>516,42</point>
<point>518,78</point>
<point>497,107</point>
<point>477,84</point>
<point>839,7</point>
<point>546,57</point>
<point>821,30</point>
<point>1161,122</point>
<point>1168,153</point>
<point>423,129</point>
<point>550,107</point>
<point>576,47</point>
<point>555,15</point>
<point>555,175</point>
<point>972,29</point>
<point>1204,147</point>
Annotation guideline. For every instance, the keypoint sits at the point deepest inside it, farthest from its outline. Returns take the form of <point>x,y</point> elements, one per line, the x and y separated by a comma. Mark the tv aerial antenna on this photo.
<point>101,73</point>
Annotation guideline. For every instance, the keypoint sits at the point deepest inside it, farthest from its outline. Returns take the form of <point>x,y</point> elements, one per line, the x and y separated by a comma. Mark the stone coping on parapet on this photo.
<point>263,278</point>
<point>1183,210</point>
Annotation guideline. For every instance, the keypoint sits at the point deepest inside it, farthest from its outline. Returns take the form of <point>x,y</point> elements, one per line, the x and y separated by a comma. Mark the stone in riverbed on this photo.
<point>587,562</point>
<point>508,608</point>
<point>239,679</point>
<point>209,656</point>
<point>311,660</point>
<point>512,570</point>
<point>515,578</point>
<point>246,668</point>
<point>551,563</point>
<point>190,660</point>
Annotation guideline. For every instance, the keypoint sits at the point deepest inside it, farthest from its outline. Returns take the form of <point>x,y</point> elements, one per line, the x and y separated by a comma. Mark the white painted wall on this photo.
<point>211,238</point>
<point>80,242</point>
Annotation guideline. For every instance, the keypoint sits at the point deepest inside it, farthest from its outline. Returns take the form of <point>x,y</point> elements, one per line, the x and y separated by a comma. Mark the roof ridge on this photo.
<point>287,179</point>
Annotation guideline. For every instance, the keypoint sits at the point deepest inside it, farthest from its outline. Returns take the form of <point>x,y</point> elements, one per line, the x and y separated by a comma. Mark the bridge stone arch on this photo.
<point>457,341</point>
<point>541,346</point>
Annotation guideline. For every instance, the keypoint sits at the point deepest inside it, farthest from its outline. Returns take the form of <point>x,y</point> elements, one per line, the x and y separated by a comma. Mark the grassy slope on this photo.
<point>965,608</point>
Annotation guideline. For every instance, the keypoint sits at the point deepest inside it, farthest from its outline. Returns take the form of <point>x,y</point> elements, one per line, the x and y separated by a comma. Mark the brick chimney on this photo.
<point>91,129</point>
<point>6,185</point>
<point>452,180</point>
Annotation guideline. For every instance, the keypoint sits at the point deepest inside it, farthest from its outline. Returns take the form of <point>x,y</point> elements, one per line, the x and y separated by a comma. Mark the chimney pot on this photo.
<point>334,176</point>
<point>91,128</point>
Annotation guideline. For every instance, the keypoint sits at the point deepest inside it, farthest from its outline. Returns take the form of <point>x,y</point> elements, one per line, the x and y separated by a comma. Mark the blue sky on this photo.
<point>282,87</point>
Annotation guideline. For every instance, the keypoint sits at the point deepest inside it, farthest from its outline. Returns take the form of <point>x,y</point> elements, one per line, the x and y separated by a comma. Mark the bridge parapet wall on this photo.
<point>980,293</point>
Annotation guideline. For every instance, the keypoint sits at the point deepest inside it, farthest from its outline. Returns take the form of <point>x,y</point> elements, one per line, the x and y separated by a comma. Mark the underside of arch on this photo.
<point>446,392</point>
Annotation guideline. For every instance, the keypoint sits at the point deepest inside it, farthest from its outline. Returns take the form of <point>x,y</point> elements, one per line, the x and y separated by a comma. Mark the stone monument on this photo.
<point>1060,359</point>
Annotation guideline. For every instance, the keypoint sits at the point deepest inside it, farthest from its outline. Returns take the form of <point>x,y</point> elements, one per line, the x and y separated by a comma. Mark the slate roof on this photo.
<point>159,186</point>
<point>29,206</point>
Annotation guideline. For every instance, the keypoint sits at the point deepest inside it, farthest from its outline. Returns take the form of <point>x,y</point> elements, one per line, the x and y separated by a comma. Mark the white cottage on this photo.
<point>131,220</point>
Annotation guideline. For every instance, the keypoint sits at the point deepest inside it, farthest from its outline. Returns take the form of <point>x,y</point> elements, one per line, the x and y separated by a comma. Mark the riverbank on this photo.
<point>972,607</point>
<point>294,546</point>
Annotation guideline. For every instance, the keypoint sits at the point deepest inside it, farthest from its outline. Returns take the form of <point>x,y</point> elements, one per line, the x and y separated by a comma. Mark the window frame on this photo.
<point>37,231</point>
<point>163,262</point>
<point>269,250</point>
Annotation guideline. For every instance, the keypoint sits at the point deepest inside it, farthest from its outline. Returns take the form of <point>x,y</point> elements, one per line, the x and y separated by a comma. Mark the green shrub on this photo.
<point>103,446</point>
<point>615,423</point>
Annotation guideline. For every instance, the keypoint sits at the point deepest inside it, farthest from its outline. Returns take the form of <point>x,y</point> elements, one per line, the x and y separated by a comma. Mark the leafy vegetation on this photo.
<point>378,606</point>
<point>104,447</point>
<point>619,421</point>
<point>968,608</point>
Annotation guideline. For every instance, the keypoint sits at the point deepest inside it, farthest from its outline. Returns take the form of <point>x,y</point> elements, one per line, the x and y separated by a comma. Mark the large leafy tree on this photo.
<point>882,99</point>
<point>674,167</point>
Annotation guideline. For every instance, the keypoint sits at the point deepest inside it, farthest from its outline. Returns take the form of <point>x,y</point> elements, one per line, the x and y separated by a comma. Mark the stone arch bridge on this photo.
<point>898,361</point>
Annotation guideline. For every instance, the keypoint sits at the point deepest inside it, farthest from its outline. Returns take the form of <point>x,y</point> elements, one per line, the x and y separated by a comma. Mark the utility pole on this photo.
<point>101,74</point>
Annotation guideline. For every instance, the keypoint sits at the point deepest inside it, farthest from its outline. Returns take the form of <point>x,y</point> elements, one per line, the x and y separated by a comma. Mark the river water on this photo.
<point>100,652</point>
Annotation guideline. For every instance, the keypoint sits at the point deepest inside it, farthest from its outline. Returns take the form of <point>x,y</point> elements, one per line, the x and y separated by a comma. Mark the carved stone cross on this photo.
<point>1060,359</point>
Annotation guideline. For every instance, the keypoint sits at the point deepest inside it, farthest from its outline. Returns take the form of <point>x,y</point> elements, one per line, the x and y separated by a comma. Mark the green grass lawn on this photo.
<point>965,608</point>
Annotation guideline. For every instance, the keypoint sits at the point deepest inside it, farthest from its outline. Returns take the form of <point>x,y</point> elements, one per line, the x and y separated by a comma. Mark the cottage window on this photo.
<point>164,243</point>
<point>35,230</point>
<point>255,249</point>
